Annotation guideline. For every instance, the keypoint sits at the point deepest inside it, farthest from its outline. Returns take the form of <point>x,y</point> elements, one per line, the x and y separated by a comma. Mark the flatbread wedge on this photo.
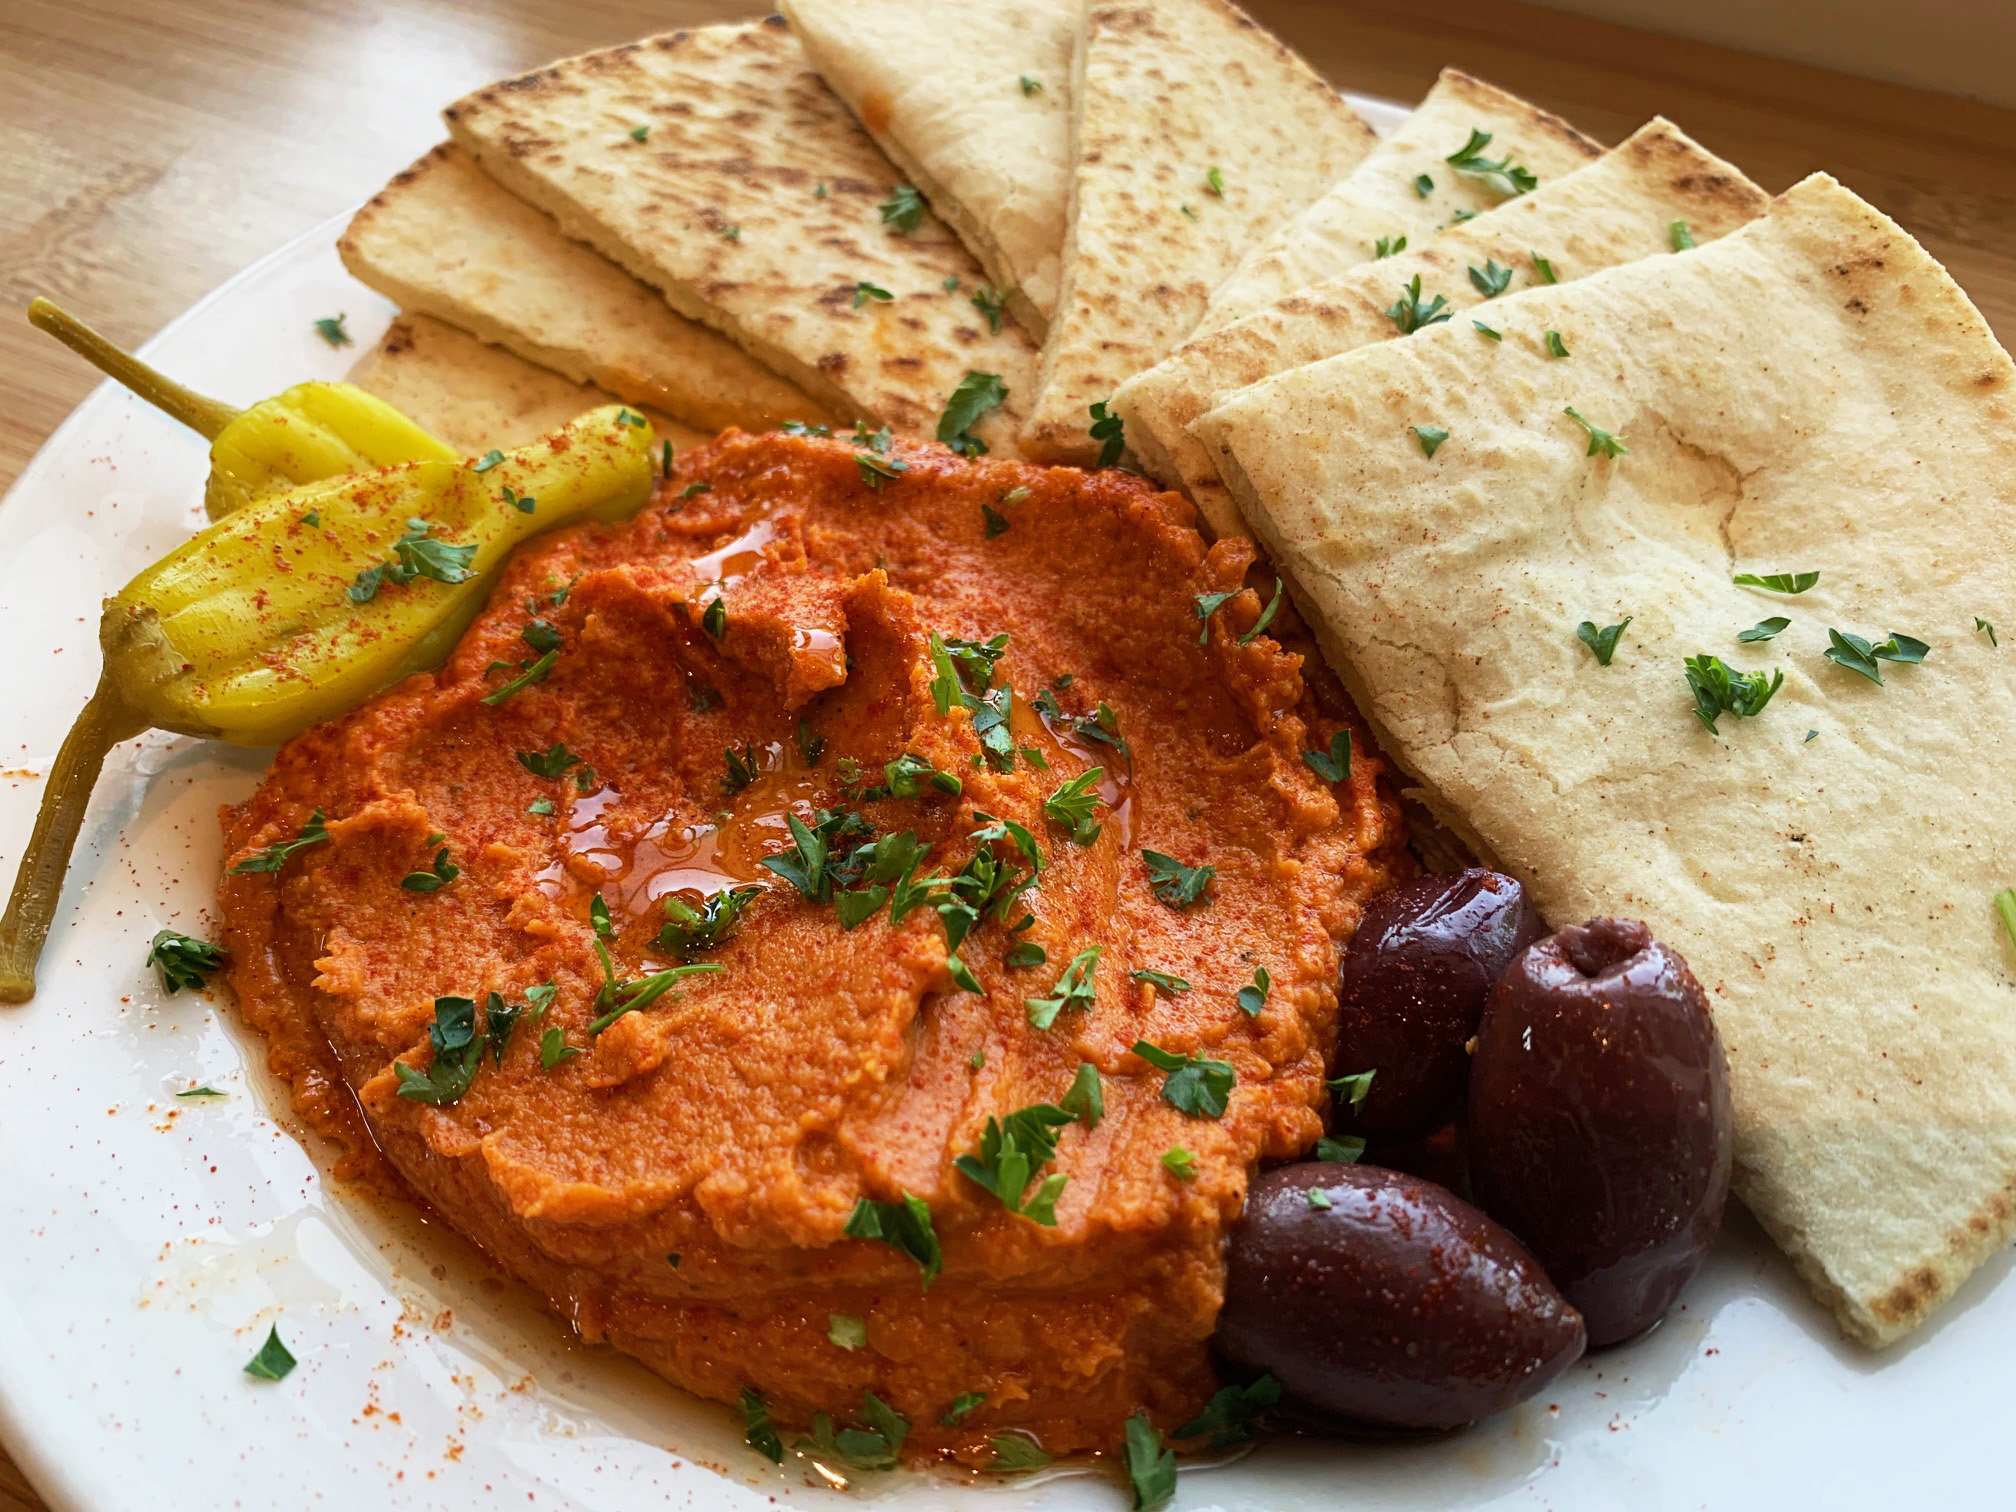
<point>1195,132</point>
<point>444,239</point>
<point>1623,206</point>
<point>755,204</point>
<point>1385,200</point>
<point>1810,393</point>
<point>475,396</point>
<point>970,99</point>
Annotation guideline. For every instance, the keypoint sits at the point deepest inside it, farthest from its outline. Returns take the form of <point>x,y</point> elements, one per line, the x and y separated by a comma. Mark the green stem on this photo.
<point>205,416</point>
<point>39,885</point>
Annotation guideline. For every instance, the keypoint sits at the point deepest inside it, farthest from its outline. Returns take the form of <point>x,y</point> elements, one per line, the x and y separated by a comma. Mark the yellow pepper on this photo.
<point>299,605</point>
<point>310,432</point>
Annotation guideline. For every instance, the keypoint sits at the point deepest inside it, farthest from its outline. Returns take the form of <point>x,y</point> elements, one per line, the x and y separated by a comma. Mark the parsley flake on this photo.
<point>904,209</point>
<point>551,762</point>
<point>846,1330</point>
<point>1388,246</point>
<point>274,1359</point>
<point>1013,1452</point>
<point>1765,629</point>
<point>457,1044</point>
<point>415,554</point>
<point>689,930</point>
<point>1150,1467</point>
<point>1333,765</point>
<point>1180,1163</point>
<point>1232,1411</point>
<point>962,1404</point>
<point>1161,981</point>
<point>331,329</point>
<point>1492,279</point>
<point>991,302</point>
<point>1423,185</point>
<point>714,618</point>
<point>1208,604</point>
<point>1555,346</point>
<point>437,877</point>
<point>1110,431</point>
<point>876,471</point>
<point>1602,643</point>
<point>200,1094</point>
<point>1777,582</point>
<point>554,1049</point>
<point>1340,1151</point>
<point>1086,1101</point>
<point>1174,883</point>
<point>758,1433</point>
<point>1600,440</point>
<point>2005,907</point>
<point>273,857</point>
<point>904,1225</point>
<point>1012,1151</point>
<point>1681,238</point>
<point>1859,655</point>
<point>488,460</point>
<point>183,960</point>
<point>1266,615</point>
<point>1031,85</point>
<point>1215,181</point>
<point>1317,1198</point>
<point>865,291</point>
<point>639,133</point>
<point>1074,989</point>
<point>1409,314</point>
<point>1352,1088</point>
<point>1253,998</point>
<point>1987,629</point>
<point>1507,175</point>
<point>976,394</point>
<point>1197,1087</point>
<point>1544,269</point>
<point>1430,436</point>
<point>1483,330</point>
<point>1719,690</point>
<point>1074,804</point>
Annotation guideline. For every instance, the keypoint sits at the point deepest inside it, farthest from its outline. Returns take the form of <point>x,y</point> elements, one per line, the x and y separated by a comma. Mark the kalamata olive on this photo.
<point>1412,991</point>
<point>1599,1120</point>
<point>1375,1295</point>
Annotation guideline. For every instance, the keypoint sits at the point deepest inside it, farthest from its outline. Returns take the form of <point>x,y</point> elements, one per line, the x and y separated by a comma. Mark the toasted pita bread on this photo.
<point>1812,392</point>
<point>1621,207</point>
<point>1384,199</point>
<point>1164,97</point>
<point>475,396</point>
<point>751,205</point>
<point>443,239</point>
<point>970,99</point>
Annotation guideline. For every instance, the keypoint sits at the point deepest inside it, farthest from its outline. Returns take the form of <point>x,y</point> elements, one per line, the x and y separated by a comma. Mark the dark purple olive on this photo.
<point>1599,1120</point>
<point>1412,991</point>
<point>1377,1296</point>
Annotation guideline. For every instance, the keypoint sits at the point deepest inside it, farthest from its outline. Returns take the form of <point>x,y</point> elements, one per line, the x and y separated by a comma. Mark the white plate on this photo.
<point>145,1246</point>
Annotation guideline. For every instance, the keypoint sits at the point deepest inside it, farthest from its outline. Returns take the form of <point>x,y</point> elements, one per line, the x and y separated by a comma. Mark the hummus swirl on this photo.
<point>756,646</point>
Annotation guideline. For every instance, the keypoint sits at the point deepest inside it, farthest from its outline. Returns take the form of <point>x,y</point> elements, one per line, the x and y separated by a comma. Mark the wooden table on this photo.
<point>150,150</point>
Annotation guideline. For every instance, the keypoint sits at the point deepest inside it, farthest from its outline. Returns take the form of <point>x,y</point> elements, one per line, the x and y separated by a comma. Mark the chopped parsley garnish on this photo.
<point>809,864</point>
<point>1015,1451</point>
<point>1214,181</point>
<point>1430,436</point>
<point>1231,1413</point>
<point>1681,238</point>
<point>1544,269</point>
<point>742,767</point>
<point>875,1447</point>
<point>1423,185</point>
<point>1333,765</point>
<point>1765,629</point>
<point>962,1404</point>
<point>435,878</point>
<point>992,303</point>
<point>543,807</point>
<point>1197,1087</point>
<point>1719,690</point>
<point>1253,998</point>
<point>1317,1198</point>
<point>688,931</point>
<point>183,960</point>
<point>273,857</point>
<point>1409,314</point>
<point>1602,643</point>
<point>540,635</point>
<point>1110,431</point>
<point>523,503</point>
<point>274,1359</point>
<point>1986,629</point>
<point>1340,1151</point>
<point>1485,331</point>
<point>1180,1163</point>
<point>415,554</point>
<point>1031,85</point>
<point>1777,582</point>
<point>620,998</point>
<point>731,233</point>
<point>714,618</point>
<point>758,1433</point>
<point>976,394</point>
<point>1161,981</point>
<point>1012,1151</point>
<point>904,1225</point>
<point>1174,883</point>
<point>1600,440</point>
<point>458,1051</point>
<point>630,417</point>
<point>1492,279</point>
<point>876,471</point>
<point>846,1330</point>
<point>554,1049</point>
<point>1555,346</point>
<point>811,746</point>
<point>1208,604</point>
<point>1187,211</point>
<point>1388,246</point>
<point>1150,1467</point>
<point>665,459</point>
<point>501,1018</point>
<point>332,330</point>
<point>200,1094</point>
<point>312,519</point>
<point>639,133</point>
<point>1352,1088</point>
<point>904,209</point>
<point>2005,907</point>
<point>1510,178</point>
<point>1074,804</point>
<point>800,428</point>
<point>488,460</point>
<point>1024,954</point>
<point>1266,615</point>
<point>551,762</point>
<point>1085,1101</point>
<point>1859,655</point>
<point>907,777</point>
<point>536,671</point>
<point>1811,736</point>
<point>865,291</point>
<point>992,522</point>
<point>1074,989</point>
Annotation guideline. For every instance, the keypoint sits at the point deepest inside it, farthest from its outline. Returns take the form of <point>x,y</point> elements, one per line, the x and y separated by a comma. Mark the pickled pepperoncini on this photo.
<point>300,604</point>
<point>310,432</point>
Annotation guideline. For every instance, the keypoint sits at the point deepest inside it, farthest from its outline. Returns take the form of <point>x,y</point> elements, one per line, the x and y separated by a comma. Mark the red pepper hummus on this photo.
<point>758,646</point>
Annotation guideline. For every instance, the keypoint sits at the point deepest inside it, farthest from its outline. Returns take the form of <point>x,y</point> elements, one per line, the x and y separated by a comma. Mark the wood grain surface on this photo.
<point>151,148</point>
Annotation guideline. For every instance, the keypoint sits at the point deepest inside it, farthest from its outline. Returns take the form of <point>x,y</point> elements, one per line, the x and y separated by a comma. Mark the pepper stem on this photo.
<point>38,886</point>
<point>205,416</point>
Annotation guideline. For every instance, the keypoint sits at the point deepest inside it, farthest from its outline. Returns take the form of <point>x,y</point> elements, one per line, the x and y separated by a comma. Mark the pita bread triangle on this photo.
<point>444,239</point>
<point>1386,201</point>
<point>970,99</point>
<point>716,167</point>
<point>1621,207</point>
<point>1195,132</point>
<point>1810,393</point>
